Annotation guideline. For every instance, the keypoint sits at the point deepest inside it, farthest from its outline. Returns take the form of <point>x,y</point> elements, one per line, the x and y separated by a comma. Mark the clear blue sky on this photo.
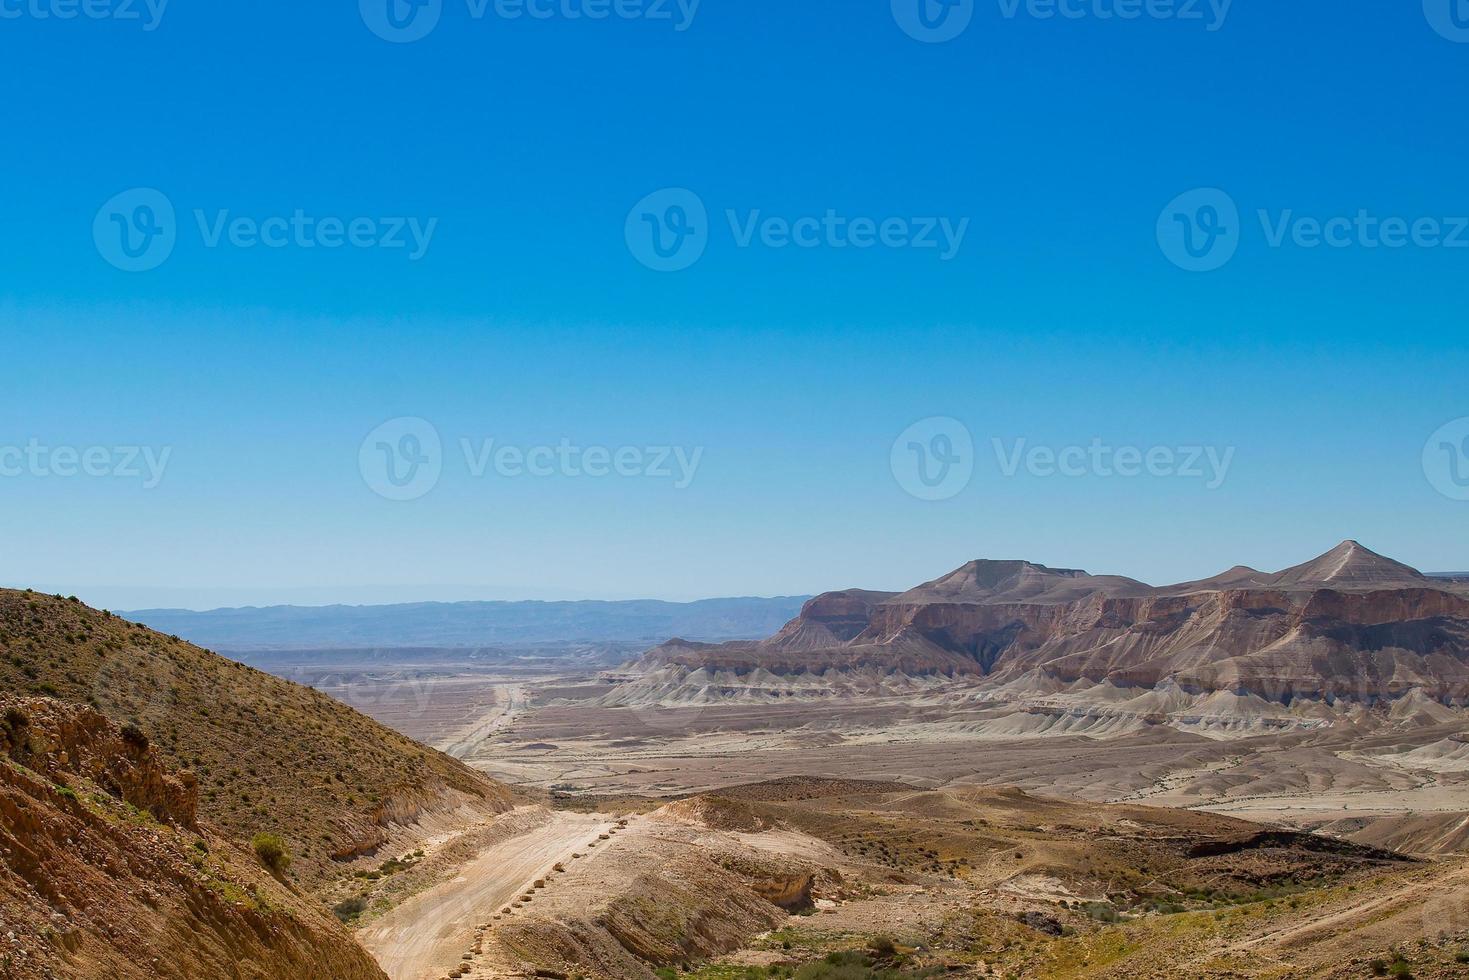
<point>529,320</point>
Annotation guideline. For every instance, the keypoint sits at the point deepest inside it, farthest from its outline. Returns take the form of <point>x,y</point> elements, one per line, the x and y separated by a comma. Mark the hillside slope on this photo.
<point>269,756</point>
<point>105,870</point>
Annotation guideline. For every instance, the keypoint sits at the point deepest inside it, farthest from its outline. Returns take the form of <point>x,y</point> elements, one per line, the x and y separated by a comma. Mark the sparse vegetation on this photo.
<point>351,909</point>
<point>196,709</point>
<point>272,852</point>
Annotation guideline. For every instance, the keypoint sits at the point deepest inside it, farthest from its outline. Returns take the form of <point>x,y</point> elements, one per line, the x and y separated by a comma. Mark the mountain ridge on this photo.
<point>1349,625</point>
<point>472,624</point>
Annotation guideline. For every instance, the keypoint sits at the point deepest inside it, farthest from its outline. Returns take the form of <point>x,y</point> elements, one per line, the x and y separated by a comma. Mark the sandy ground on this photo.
<point>426,936</point>
<point>509,700</point>
<point>548,732</point>
<point>545,730</point>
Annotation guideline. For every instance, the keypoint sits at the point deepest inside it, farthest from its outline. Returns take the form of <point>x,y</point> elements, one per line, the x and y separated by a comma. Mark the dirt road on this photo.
<point>510,699</point>
<point>428,935</point>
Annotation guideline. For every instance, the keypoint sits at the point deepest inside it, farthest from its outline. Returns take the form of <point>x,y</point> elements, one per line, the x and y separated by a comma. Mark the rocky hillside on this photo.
<point>264,755</point>
<point>107,871</point>
<point>1350,625</point>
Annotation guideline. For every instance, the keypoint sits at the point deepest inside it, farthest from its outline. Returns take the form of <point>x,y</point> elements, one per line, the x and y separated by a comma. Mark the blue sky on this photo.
<point>525,143</point>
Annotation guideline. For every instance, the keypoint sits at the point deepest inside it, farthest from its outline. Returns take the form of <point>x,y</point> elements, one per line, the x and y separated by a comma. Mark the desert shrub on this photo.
<point>350,909</point>
<point>272,852</point>
<point>1101,911</point>
<point>134,736</point>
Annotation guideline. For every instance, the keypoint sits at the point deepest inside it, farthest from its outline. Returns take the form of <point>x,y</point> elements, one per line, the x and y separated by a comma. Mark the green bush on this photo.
<point>350,909</point>
<point>272,852</point>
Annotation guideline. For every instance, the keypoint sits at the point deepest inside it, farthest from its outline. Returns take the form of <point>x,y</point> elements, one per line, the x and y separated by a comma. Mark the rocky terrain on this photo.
<point>107,870</point>
<point>1012,771</point>
<point>1348,628</point>
<point>165,812</point>
<point>269,756</point>
<point>858,879</point>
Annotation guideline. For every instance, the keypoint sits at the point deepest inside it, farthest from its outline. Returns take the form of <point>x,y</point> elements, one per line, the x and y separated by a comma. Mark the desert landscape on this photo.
<point>1011,771</point>
<point>758,490</point>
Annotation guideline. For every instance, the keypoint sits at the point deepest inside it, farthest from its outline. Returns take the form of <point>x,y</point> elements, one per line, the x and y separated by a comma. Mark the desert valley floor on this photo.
<point>929,809</point>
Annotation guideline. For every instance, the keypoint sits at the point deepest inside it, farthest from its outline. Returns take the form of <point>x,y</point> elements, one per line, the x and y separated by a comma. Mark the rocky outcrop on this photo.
<point>1350,625</point>
<point>106,873</point>
<point>404,806</point>
<point>61,743</point>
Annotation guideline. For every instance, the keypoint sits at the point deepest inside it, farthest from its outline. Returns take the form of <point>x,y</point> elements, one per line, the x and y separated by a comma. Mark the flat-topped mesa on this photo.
<point>986,581</point>
<point>1350,624</point>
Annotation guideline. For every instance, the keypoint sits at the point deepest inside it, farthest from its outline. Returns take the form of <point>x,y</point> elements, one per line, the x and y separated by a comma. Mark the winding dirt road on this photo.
<point>428,935</point>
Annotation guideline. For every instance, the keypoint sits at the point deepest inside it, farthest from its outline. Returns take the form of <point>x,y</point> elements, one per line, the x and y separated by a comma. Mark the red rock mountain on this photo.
<point>1350,624</point>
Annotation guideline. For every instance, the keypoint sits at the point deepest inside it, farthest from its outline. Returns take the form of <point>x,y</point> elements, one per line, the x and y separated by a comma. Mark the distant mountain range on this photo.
<point>1348,626</point>
<point>471,624</point>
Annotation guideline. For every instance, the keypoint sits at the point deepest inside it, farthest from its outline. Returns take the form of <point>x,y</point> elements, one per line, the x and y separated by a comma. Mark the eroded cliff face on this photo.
<point>1320,631</point>
<point>105,870</point>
